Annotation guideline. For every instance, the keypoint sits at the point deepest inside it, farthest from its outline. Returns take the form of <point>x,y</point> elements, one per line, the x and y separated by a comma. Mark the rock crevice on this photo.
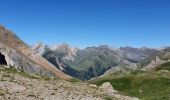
<point>2,59</point>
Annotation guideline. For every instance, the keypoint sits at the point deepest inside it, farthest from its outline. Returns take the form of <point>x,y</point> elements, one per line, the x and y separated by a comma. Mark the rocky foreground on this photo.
<point>21,86</point>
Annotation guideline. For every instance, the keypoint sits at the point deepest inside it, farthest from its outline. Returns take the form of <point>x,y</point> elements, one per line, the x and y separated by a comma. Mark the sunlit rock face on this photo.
<point>20,56</point>
<point>21,63</point>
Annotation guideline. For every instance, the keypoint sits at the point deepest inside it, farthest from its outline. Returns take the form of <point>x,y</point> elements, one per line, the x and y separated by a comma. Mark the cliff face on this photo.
<point>19,62</point>
<point>19,55</point>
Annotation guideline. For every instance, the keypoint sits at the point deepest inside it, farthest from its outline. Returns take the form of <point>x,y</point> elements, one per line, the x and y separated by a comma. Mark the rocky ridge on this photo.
<point>19,55</point>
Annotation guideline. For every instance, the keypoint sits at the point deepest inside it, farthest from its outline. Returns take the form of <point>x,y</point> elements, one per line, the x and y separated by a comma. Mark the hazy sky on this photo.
<point>84,23</point>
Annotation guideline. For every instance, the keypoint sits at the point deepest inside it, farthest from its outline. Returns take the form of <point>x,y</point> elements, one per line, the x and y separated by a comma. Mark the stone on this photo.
<point>107,88</point>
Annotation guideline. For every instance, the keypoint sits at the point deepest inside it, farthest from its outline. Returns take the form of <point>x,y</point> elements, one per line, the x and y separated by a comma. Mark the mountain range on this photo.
<point>66,62</point>
<point>101,72</point>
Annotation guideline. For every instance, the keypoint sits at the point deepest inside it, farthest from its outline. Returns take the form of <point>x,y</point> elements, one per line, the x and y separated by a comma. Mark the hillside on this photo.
<point>46,72</point>
<point>93,62</point>
<point>20,56</point>
<point>144,85</point>
<point>16,85</point>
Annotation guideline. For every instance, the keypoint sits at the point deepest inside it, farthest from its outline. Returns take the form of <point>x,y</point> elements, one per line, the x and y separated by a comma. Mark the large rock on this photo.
<point>108,89</point>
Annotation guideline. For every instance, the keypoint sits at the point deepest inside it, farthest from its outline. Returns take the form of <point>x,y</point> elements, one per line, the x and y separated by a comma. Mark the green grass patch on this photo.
<point>31,76</point>
<point>108,98</point>
<point>9,71</point>
<point>2,93</point>
<point>14,71</point>
<point>74,80</point>
<point>146,86</point>
<point>165,66</point>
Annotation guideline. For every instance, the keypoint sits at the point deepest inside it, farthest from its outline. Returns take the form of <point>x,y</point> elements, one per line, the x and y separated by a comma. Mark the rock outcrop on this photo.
<point>154,63</point>
<point>20,56</point>
<point>108,89</point>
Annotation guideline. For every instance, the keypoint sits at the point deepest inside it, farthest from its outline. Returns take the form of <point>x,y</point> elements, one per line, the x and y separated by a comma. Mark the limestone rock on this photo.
<point>22,57</point>
<point>108,89</point>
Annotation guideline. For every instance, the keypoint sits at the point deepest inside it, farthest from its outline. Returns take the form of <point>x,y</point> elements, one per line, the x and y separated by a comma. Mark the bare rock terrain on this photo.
<point>20,56</point>
<point>20,86</point>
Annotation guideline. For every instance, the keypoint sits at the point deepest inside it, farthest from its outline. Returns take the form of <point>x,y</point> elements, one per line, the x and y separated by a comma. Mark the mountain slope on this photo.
<point>153,61</point>
<point>95,61</point>
<point>144,85</point>
<point>16,85</point>
<point>18,54</point>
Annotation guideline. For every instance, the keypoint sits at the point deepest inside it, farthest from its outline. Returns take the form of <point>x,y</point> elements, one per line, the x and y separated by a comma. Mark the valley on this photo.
<point>84,50</point>
<point>62,72</point>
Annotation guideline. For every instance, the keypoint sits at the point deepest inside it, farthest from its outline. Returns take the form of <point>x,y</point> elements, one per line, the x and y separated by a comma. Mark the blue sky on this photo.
<point>83,23</point>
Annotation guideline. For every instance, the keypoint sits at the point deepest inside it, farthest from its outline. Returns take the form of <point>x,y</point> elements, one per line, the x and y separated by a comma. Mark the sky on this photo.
<point>83,23</point>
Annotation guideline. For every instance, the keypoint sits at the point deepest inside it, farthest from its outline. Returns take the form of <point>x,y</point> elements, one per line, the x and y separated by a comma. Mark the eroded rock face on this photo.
<point>16,60</point>
<point>20,56</point>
